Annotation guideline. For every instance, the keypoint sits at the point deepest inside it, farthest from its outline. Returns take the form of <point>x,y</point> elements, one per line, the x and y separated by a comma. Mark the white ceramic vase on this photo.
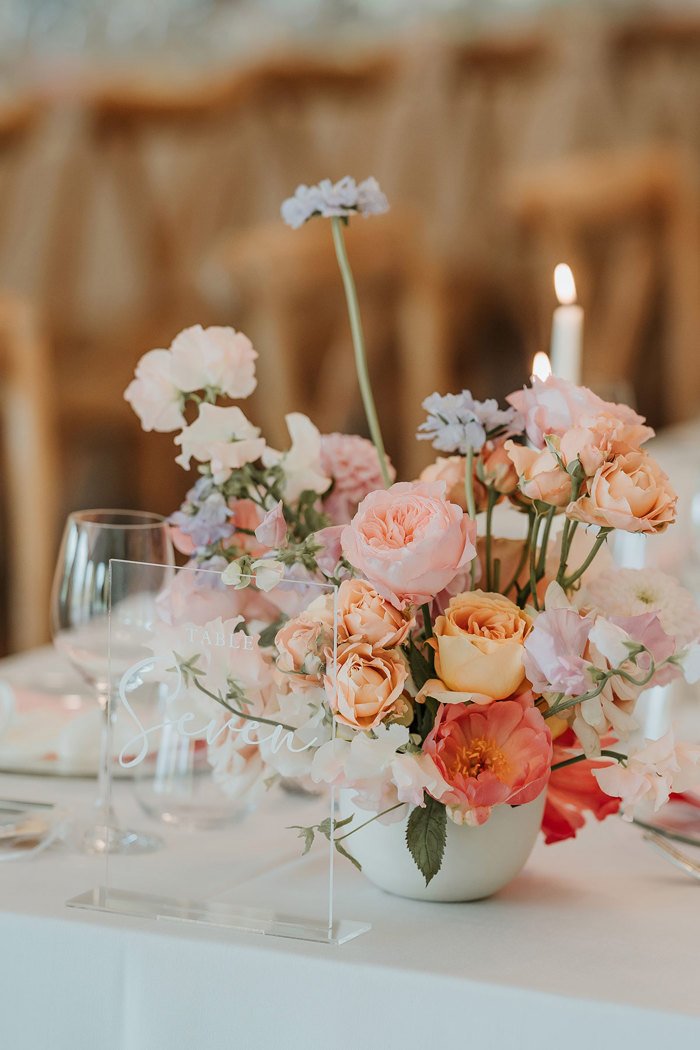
<point>477,862</point>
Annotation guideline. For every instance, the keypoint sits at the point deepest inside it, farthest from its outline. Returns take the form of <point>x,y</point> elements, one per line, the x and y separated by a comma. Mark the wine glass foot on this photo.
<point>105,838</point>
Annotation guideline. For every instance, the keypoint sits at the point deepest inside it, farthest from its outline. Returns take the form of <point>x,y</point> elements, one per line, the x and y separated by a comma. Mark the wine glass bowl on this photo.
<point>101,620</point>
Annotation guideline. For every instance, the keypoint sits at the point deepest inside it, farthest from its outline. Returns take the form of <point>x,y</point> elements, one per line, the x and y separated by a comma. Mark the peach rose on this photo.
<point>363,615</point>
<point>541,477</point>
<point>409,541</point>
<point>452,470</point>
<point>368,687</point>
<point>631,493</point>
<point>554,405</point>
<point>301,644</point>
<point>605,438</point>
<point>498,468</point>
<point>480,644</point>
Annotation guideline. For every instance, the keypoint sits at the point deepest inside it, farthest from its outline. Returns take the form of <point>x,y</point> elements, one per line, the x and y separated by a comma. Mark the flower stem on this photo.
<point>471,505</point>
<point>523,555</point>
<point>492,500</point>
<point>600,540</point>
<point>358,342</point>
<point>582,758</point>
<point>371,819</point>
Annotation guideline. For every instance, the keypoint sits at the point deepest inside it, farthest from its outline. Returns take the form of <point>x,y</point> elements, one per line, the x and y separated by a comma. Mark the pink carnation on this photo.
<point>353,463</point>
<point>489,756</point>
<point>409,542</point>
<point>553,406</point>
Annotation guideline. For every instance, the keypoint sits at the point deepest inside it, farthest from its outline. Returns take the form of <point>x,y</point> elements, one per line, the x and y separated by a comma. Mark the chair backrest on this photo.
<point>30,484</point>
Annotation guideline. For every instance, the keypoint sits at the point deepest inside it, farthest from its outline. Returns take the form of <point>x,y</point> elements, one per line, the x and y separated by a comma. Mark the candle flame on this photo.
<point>541,368</point>
<point>564,284</point>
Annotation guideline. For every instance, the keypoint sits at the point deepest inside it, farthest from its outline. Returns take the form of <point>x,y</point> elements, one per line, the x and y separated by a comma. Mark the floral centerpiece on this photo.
<point>469,672</point>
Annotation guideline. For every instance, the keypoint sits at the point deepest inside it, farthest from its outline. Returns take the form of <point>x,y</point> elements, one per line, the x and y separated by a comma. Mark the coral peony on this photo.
<point>490,755</point>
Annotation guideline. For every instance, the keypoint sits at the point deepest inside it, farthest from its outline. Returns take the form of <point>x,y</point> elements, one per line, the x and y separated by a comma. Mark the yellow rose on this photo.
<point>479,644</point>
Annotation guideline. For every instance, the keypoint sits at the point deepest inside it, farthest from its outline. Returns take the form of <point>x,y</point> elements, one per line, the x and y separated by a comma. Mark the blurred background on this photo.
<point>146,145</point>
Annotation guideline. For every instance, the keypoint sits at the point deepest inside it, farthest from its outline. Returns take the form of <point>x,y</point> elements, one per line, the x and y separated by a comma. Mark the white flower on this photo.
<point>218,358</point>
<point>631,592</point>
<point>154,395</point>
<point>329,199</point>
<point>222,436</point>
<point>302,463</point>
<point>234,576</point>
<point>268,573</point>
<point>690,663</point>
<point>609,640</point>
<point>457,421</point>
<point>652,773</point>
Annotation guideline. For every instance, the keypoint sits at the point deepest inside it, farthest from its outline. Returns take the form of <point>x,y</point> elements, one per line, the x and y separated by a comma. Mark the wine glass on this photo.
<point>101,618</point>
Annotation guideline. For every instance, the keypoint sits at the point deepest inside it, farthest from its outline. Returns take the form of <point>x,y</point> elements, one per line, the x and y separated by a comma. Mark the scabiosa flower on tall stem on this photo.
<point>338,202</point>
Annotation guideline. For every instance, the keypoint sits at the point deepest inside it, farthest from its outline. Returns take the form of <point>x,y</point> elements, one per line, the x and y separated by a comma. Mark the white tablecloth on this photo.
<point>596,943</point>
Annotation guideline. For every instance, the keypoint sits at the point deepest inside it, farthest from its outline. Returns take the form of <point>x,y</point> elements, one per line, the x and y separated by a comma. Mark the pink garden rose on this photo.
<point>353,464</point>
<point>490,756</point>
<point>553,406</point>
<point>630,493</point>
<point>409,542</point>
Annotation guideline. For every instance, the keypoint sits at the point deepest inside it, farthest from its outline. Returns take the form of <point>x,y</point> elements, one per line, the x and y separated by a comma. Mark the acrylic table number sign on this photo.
<point>209,723</point>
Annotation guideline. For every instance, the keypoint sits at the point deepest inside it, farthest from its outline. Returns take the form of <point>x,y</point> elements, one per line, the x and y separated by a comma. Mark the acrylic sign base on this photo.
<point>216,913</point>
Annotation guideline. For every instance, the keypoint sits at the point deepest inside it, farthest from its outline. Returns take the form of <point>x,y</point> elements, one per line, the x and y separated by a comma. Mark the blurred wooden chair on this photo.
<point>628,223</point>
<point>290,289</point>
<point>30,469</point>
<point>174,164</point>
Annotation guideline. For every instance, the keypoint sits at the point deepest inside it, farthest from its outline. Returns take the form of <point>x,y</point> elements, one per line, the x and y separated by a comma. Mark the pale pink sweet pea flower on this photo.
<point>327,559</point>
<point>652,773</point>
<point>214,357</point>
<point>553,406</point>
<point>301,464</point>
<point>272,530</point>
<point>409,542</point>
<point>154,394</point>
<point>221,436</point>
<point>554,661</point>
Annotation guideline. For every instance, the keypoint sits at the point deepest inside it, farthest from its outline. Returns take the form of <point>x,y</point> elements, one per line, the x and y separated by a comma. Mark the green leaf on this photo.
<point>422,669</point>
<point>308,834</point>
<point>344,853</point>
<point>269,633</point>
<point>425,837</point>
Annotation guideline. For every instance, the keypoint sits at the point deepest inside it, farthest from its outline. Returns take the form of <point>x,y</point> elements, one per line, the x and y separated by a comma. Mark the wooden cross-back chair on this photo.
<point>628,223</point>
<point>30,473</point>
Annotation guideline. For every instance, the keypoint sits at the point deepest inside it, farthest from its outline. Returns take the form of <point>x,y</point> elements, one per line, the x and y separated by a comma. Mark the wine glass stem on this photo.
<point>103,801</point>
